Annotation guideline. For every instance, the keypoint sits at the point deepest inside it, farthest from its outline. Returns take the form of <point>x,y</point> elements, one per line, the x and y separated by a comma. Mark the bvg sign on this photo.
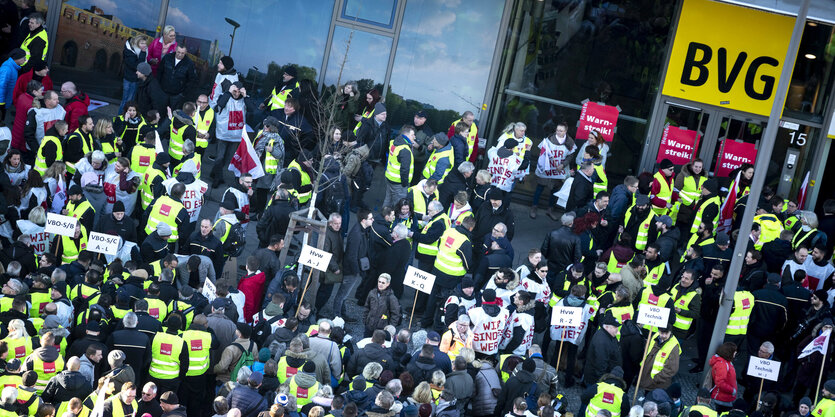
<point>728,56</point>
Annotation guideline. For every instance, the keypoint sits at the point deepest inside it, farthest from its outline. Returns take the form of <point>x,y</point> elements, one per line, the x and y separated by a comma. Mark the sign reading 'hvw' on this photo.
<point>60,225</point>
<point>763,368</point>
<point>419,280</point>
<point>315,258</point>
<point>567,316</point>
<point>653,315</point>
<point>102,243</point>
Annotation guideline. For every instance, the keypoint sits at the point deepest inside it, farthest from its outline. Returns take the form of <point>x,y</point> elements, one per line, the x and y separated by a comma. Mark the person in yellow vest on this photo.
<point>155,246</point>
<point>79,208</point>
<point>689,183</point>
<point>687,302</point>
<point>401,165</point>
<point>285,88</point>
<point>428,236</point>
<point>470,133</point>
<point>827,401</point>
<point>46,361</point>
<point>129,125</point>
<point>639,223</point>
<point>457,337</point>
<point>169,209</point>
<point>80,142</point>
<point>143,155</point>
<point>169,356</point>
<point>662,361</point>
<point>204,122</point>
<point>441,161</point>
<point>454,260</point>
<point>706,209</point>
<point>51,148</point>
<point>269,146</point>
<point>181,129</point>
<point>36,43</point>
<point>420,195</point>
<point>123,404</point>
<point>607,394</point>
<point>661,196</point>
<point>301,175</point>
<point>303,385</point>
<point>70,247</point>
<point>703,405</point>
<point>152,186</point>
<point>202,346</point>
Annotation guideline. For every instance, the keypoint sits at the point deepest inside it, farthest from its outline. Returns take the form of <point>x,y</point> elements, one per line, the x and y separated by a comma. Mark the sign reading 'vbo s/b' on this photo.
<point>728,56</point>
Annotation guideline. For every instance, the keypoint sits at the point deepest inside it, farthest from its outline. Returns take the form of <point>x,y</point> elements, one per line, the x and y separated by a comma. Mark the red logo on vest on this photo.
<point>449,241</point>
<point>624,317</point>
<point>746,304</point>
<point>653,299</point>
<point>165,349</point>
<point>41,308</point>
<point>19,351</point>
<point>196,344</point>
<point>154,312</point>
<point>49,367</point>
<point>301,392</point>
<point>291,371</point>
<point>144,161</point>
<point>236,120</point>
<point>165,209</point>
<point>609,397</point>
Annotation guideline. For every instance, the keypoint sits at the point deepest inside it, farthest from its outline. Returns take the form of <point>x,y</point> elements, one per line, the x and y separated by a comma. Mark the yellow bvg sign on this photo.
<point>728,56</point>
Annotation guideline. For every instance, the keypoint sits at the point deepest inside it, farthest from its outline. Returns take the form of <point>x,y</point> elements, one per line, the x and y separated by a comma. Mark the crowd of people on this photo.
<point>168,327</point>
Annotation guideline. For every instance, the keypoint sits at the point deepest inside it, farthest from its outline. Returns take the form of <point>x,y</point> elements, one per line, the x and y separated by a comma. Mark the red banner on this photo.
<point>678,145</point>
<point>733,155</point>
<point>598,117</point>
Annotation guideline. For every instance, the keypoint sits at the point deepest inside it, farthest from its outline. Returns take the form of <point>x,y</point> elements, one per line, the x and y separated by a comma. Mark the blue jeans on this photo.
<point>537,193</point>
<point>349,285</point>
<point>128,94</point>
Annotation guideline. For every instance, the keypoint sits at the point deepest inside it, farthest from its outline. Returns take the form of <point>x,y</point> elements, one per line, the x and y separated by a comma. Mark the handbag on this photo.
<point>365,264</point>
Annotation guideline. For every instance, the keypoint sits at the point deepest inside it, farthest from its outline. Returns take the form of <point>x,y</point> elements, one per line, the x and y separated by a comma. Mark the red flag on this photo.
<point>246,160</point>
<point>801,193</point>
<point>726,214</point>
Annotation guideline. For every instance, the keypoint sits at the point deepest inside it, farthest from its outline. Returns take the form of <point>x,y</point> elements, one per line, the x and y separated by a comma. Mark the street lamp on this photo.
<point>235,26</point>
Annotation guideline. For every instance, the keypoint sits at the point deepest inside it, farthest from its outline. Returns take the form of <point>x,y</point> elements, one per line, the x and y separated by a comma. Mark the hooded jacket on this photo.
<point>724,379</point>
<point>76,106</point>
<point>65,386</point>
<point>247,399</point>
<point>516,386</point>
<point>253,288</point>
<point>486,218</point>
<point>422,369</point>
<point>371,352</point>
<point>323,371</point>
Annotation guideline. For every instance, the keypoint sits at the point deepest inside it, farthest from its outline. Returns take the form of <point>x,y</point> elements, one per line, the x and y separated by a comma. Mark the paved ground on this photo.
<point>529,234</point>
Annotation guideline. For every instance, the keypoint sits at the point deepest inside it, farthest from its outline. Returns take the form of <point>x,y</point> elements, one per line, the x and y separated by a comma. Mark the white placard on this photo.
<point>315,258</point>
<point>567,316</point>
<point>103,243</point>
<point>763,368</point>
<point>60,225</point>
<point>653,315</point>
<point>419,280</point>
<point>209,290</point>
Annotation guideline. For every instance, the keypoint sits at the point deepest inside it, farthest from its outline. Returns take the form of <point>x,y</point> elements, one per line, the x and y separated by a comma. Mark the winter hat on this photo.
<point>61,287</point>
<point>170,398</point>
<point>666,163</point>
<point>489,295</point>
<point>821,294</point>
<point>271,121</point>
<point>467,283</point>
<point>309,367</point>
<point>386,376</point>
<point>433,337</point>
<point>379,108</point>
<point>666,221</point>
<point>806,401</point>
<point>441,138</point>
<point>510,143</point>
<point>38,65</point>
<point>256,378</point>
<point>17,53</point>
<point>722,239</point>
<point>674,390</point>
<point>618,372</point>
<point>189,167</point>
<point>410,411</point>
<point>228,62</point>
<point>144,68</point>
<point>163,229</point>
<point>229,202</point>
<point>711,185</point>
<point>610,320</point>
<point>829,385</point>
<point>529,365</point>
<point>13,365</point>
<point>774,278</point>
<point>264,355</point>
<point>282,399</point>
<point>118,206</point>
<point>495,194</point>
<point>827,322</point>
<point>163,158</point>
<point>641,200</point>
<point>291,71</point>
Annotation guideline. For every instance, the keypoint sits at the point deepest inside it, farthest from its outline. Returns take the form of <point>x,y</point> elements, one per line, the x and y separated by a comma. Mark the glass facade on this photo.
<point>368,56</point>
<point>375,12</point>
<point>90,38</point>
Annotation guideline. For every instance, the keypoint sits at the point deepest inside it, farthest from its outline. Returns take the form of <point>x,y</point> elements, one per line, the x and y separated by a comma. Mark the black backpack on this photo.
<point>236,241</point>
<point>263,329</point>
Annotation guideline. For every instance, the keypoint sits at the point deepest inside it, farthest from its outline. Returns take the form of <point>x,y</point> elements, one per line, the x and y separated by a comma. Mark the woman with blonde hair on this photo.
<point>111,144</point>
<point>135,52</point>
<point>18,341</point>
<point>165,44</point>
<point>422,395</point>
<point>56,185</point>
<point>34,227</point>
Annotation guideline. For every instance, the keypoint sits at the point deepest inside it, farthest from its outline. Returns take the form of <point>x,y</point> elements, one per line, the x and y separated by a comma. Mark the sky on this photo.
<point>441,58</point>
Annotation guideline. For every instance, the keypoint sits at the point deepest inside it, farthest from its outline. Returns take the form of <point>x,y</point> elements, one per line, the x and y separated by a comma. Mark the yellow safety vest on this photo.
<point>697,219</point>
<point>10,380</point>
<point>654,275</point>
<point>393,165</point>
<point>365,115</point>
<point>608,397</point>
<point>142,159</point>
<point>186,309</point>
<point>156,307</point>
<point>303,396</point>
<point>705,411</point>
<point>503,374</point>
<point>431,249</point>
<point>800,236</point>
<point>437,155</point>
<point>613,266</point>
<point>285,371</point>
<point>665,193</point>
<point>39,300</point>
<point>45,371</point>
<point>165,356</point>
<point>683,302</point>
<point>472,135</point>
<point>202,124</point>
<point>663,354</point>
<point>6,303</point>
<point>131,134</point>
<point>278,99</point>
<point>447,260</point>
<point>643,229</point>
<point>622,313</point>
<point>108,147</point>
<point>691,190</point>
<point>822,406</point>
<point>419,201</point>
<point>71,251</point>
<point>165,210</point>
<point>603,185</point>
<point>19,348</point>
<point>146,187</point>
<point>648,298</point>
<point>78,211</point>
<point>199,343</point>
<point>40,161</point>
<point>118,409</point>
<point>175,144</point>
<point>28,40</point>
<point>305,190</point>
<point>25,396</point>
<point>743,306</point>
<point>770,229</point>
<point>197,158</point>
<point>270,163</point>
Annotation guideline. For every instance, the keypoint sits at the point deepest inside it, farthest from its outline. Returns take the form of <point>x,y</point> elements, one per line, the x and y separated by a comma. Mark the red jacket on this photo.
<point>724,379</point>
<point>76,107</point>
<point>253,288</point>
<point>22,105</point>
<point>23,80</point>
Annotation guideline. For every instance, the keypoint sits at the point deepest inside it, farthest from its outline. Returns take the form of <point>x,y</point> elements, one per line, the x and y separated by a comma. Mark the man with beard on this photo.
<point>818,268</point>
<point>118,224</point>
<point>638,223</point>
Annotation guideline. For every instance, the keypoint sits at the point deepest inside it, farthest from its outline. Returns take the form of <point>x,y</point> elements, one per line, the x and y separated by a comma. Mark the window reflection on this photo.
<point>812,76</point>
<point>91,36</point>
<point>368,56</point>
<point>377,12</point>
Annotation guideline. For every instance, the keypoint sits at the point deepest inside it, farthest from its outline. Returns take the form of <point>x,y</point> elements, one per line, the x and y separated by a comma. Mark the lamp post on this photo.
<point>235,26</point>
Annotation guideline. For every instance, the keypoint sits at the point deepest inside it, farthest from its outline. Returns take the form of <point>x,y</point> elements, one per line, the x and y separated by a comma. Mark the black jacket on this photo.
<point>149,96</point>
<point>769,314</point>
<point>130,59</point>
<point>668,243</point>
<point>429,237</point>
<point>561,248</point>
<point>453,183</point>
<point>21,253</point>
<point>176,79</point>
<point>372,352</point>
<point>274,221</point>
<point>380,236</point>
<point>126,228</point>
<point>582,191</point>
<point>135,344</point>
<point>153,248</point>
<point>603,355</point>
<point>422,369</point>
<point>356,248</point>
<point>65,386</point>
<point>516,386</point>
<point>375,136</point>
<point>208,246</point>
<point>486,218</point>
<point>775,253</point>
